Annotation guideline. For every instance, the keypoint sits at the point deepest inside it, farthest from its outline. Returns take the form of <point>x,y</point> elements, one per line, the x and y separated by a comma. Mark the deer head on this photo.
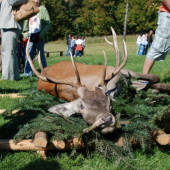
<point>94,106</point>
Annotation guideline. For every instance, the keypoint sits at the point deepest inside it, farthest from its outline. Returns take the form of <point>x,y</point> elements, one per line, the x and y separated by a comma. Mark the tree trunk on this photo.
<point>125,26</point>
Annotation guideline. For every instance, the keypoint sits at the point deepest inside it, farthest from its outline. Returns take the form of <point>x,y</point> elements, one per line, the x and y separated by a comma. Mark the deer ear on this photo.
<point>100,90</point>
<point>64,109</point>
<point>81,91</point>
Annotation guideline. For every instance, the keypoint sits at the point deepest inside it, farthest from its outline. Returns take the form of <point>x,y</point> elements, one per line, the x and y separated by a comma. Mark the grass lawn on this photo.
<point>158,159</point>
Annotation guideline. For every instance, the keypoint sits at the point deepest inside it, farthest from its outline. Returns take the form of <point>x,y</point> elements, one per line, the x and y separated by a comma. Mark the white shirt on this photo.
<point>139,40</point>
<point>34,24</point>
<point>79,41</point>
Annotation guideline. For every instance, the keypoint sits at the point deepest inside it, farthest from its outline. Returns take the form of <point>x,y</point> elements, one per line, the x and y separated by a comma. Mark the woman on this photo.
<point>36,29</point>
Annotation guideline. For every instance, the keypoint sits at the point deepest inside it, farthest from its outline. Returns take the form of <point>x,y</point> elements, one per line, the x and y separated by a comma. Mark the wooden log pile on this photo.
<point>42,145</point>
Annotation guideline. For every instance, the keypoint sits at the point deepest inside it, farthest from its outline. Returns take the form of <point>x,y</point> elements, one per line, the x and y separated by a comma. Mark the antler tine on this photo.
<point>112,44</point>
<point>76,71</point>
<point>124,62</point>
<point>53,80</point>
<point>104,69</point>
<point>32,65</point>
<point>116,48</point>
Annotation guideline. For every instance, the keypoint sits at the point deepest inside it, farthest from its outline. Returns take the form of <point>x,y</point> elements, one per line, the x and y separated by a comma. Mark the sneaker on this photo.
<point>145,82</point>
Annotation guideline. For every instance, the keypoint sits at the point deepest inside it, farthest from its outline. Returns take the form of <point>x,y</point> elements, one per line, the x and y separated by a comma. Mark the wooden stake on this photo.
<point>42,154</point>
<point>12,95</point>
<point>3,110</point>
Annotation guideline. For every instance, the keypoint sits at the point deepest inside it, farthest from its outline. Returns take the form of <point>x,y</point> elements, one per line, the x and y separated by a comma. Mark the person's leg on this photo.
<point>68,50</point>
<point>27,69</point>
<point>40,47</point>
<point>77,53</point>
<point>147,66</point>
<point>73,51</point>
<point>10,70</point>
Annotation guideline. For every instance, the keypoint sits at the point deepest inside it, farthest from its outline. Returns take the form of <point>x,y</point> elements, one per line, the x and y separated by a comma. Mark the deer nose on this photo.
<point>107,119</point>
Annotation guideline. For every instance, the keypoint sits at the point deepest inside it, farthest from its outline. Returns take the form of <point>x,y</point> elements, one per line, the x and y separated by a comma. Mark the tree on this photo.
<point>95,18</point>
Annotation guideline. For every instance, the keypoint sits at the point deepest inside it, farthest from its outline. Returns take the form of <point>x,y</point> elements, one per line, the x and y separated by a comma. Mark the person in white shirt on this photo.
<point>36,28</point>
<point>138,42</point>
<point>79,48</point>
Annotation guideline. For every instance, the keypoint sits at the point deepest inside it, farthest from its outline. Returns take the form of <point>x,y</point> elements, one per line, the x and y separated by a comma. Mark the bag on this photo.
<point>25,11</point>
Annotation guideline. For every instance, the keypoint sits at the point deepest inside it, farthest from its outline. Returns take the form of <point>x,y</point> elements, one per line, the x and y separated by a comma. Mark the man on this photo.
<point>161,43</point>
<point>36,28</point>
<point>10,32</point>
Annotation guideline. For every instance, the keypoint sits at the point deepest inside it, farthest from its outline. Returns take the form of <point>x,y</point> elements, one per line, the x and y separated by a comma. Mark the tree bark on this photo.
<point>125,26</point>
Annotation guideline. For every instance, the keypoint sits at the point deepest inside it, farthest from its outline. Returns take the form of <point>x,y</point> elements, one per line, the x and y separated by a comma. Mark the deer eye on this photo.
<point>82,107</point>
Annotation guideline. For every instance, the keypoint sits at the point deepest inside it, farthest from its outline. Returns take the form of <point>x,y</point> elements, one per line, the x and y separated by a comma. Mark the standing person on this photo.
<point>161,43</point>
<point>0,53</point>
<point>36,29</point>
<point>79,46</point>
<point>68,45</point>
<point>73,42</point>
<point>138,42</point>
<point>10,31</point>
<point>83,45</point>
<point>150,38</point>
<point>21,54</point>
<point>142,46</point>
<point>145,43</point>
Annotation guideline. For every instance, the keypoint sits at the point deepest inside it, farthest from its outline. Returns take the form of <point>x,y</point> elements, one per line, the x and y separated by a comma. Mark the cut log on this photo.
<point>3,110</point>
<point>12,95</point>
<point>28,144</point>
<point>41,139</point>
<point>161,137</point>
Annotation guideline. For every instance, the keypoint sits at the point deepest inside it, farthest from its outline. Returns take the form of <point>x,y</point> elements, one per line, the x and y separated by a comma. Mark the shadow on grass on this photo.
<point>9,129</point>
<point>42,165</point>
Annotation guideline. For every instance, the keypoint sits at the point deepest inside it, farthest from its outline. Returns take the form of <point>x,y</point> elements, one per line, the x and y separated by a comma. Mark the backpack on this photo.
<point>25,11</point>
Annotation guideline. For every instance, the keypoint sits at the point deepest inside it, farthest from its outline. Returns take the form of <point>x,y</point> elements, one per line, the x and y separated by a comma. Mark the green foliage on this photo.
<point>135,116</point>
<point>95,17</point>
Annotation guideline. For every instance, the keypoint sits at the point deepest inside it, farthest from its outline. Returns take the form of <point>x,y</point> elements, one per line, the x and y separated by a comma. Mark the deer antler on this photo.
<point>104,70</point>
<point>46,77</point>
<point>115,46</point>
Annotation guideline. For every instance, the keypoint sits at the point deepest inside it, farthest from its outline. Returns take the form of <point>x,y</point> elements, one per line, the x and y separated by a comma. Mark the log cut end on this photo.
<point>41,140</point>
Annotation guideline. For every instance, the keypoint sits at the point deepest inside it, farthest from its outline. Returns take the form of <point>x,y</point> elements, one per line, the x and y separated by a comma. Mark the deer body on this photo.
<point>85,87</point>
<point>90,76</point>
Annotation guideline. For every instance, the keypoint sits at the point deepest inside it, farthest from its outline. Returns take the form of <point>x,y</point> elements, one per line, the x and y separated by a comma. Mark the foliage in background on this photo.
<point>89,18</point>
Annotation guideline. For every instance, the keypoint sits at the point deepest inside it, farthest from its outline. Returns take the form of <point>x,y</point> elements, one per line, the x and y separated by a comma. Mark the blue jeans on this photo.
<point>78,53</point>
<point>32,47</point>
<point>68,50</point>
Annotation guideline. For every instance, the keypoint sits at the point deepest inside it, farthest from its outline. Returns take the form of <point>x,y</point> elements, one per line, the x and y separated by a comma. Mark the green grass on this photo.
<point>84,160</point>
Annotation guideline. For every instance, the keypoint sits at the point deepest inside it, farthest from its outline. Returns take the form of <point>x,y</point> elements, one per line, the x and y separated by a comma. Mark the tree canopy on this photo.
<point>95,17</point>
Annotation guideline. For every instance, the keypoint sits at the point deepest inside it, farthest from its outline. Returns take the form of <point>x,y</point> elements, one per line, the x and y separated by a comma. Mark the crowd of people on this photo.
<point>144,41</point>
<point>36,29</point>
<point>75,45</point>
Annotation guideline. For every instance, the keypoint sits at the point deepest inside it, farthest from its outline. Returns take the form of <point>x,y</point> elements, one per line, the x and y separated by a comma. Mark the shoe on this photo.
<point>144,82</point>
<point>26,75</point>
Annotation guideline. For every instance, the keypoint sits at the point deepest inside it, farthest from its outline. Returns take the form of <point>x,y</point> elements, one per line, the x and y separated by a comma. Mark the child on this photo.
<point>73,42</point>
